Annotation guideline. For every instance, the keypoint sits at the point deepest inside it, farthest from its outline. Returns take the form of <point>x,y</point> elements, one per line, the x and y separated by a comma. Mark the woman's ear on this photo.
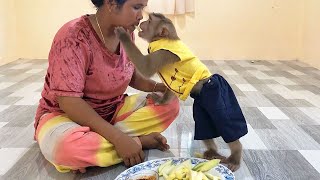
<point>111,5</point>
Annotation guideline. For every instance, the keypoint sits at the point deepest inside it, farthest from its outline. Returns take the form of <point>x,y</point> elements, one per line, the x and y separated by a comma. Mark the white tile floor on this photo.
<point>312,112</point>
<point>259,74</point>
<point>230,72</point>
<point>3,107</point>
<point>284,81</point>
<point>262,68</point>
<point>273,113</point>
<point>252,140</point>
<point>295,72</point>
<point>257,99</point>
<point>273,130</point>
<point>27,90</point>
<point>313,156</point>
<point>4,85</point>
<point>21,66</point>
<point>246,87</point>
<point>9,156</point>
<point>3,124</point>
<point>34,71</point>
<point>30,98</point>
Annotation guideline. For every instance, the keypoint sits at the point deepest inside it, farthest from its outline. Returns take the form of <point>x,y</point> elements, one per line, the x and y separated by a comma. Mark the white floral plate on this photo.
<point>221,171</point>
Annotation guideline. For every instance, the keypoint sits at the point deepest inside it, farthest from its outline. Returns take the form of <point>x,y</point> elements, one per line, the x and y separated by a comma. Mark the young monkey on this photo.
<point>216,111</point>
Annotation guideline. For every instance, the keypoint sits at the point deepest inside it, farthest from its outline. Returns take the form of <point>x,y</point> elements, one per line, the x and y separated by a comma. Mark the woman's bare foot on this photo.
<point>82,171</point>
<point>212,154</point>
<point>233,161</point>
<point>154,141</point>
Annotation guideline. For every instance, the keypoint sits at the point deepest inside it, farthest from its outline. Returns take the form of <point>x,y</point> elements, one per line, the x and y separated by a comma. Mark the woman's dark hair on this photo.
<point>99,3</point>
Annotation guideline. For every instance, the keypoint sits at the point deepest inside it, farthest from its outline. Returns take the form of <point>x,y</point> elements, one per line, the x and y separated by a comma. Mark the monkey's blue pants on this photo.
<point>216,112</point>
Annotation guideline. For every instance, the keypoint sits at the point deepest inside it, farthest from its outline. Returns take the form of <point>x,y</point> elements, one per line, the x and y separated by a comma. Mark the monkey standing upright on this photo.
<point>216,111</point>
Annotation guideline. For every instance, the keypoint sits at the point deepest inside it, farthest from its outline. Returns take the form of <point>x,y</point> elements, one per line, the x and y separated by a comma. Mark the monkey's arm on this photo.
<point>142,83</point>
<point>149,64</point>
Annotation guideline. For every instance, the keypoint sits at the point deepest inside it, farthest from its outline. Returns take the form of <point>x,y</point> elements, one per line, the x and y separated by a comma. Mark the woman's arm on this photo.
<point>142,83</point>
<point>81,113</point>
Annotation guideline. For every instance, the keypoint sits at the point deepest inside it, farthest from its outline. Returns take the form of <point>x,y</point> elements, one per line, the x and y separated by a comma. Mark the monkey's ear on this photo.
<point>164,31</point>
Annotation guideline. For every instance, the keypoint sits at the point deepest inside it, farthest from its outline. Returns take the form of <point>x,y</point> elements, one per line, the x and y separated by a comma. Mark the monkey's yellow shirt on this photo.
<point>180,76</point>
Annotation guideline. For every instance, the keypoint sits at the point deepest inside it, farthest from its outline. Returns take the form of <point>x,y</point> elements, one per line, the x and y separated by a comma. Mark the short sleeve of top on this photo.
<point>69,67</point>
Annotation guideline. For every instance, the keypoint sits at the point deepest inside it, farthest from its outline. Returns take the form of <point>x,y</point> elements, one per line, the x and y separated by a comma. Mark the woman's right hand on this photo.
<point>129,150</point>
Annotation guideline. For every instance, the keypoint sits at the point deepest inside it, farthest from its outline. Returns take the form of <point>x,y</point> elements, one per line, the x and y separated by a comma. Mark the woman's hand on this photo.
<point>129,150</point>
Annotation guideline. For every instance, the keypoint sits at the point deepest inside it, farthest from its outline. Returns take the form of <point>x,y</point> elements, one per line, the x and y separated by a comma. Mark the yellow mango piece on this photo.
<point>206,166</point>
<point>198,155</point>
<point>161,168</point>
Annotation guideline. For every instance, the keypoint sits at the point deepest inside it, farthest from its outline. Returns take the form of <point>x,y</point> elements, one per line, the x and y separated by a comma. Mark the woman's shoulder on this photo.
<point>74,29</point>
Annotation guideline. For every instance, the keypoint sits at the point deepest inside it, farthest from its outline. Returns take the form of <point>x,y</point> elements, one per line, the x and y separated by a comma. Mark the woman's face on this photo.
<point>130,14</point>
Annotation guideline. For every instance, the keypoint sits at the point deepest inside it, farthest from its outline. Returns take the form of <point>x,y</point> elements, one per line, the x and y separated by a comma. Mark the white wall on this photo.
<point>243,29</point>
<point>8,40</point>
<point>37,26</point>
<point>219,29</point>
<point>311,40</point>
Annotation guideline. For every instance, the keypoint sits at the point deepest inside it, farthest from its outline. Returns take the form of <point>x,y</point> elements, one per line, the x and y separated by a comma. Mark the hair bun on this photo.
<point>97,3</point>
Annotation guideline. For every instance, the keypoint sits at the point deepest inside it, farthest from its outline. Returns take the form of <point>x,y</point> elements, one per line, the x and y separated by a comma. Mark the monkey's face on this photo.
<point>148,29</point>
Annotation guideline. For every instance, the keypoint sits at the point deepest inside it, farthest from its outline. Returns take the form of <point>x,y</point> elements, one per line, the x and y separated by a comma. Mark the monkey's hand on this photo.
<point>155,96</point>
<point>167,97</point>
<point>163,98</point>
<point>121,33</point>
